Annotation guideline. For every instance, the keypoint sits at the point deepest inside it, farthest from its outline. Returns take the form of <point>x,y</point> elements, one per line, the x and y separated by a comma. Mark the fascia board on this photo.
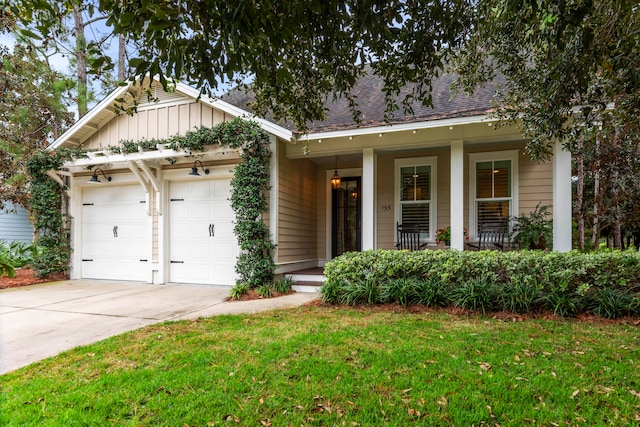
<point>482,118</point>
<point>221,105</point>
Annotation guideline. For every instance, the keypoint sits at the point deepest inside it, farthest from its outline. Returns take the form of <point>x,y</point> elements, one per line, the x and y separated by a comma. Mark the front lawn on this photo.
<point>337,366</point>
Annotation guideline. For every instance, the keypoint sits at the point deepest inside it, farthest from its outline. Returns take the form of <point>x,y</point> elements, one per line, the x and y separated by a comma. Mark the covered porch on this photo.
<point>445,175</point>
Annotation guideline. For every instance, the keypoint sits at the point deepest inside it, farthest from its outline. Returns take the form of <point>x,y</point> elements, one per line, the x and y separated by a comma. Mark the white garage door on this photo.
<point>115,233</point>
<point>202,246</point>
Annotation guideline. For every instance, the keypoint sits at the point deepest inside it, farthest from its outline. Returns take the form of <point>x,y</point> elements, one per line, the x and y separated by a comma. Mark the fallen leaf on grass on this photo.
<point>575,393</point>
<point>442,401</point>
<point>484,365</point>
<point>490,412</point>
<point>635,393</point>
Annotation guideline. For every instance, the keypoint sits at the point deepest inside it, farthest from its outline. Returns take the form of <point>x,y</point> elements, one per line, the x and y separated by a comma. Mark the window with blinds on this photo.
<point>415,197</point>
<point>493,190</point>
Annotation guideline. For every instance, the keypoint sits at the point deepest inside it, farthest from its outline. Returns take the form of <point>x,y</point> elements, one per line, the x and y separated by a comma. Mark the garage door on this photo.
<point>202,246</point>
<point>115,233</point>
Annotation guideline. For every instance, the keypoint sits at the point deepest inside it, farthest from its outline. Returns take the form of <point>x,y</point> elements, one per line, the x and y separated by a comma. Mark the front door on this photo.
<point>346,221</point>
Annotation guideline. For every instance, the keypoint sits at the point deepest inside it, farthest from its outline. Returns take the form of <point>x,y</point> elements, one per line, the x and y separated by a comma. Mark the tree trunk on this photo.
<point>81,58</point>
<point>595,237</point>
<point>580,192</point>
<point>615,194</point>
<point>121,58</point>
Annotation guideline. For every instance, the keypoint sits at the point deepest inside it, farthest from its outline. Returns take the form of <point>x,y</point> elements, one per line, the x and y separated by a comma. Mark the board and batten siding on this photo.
<point>15,226</point>
<point>297,210</point>
<point>160,122</point>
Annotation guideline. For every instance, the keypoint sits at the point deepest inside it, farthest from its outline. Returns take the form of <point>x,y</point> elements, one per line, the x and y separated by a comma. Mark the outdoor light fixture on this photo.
<point>194,169</point>
<point>335,179</point>
<point>94,178</point>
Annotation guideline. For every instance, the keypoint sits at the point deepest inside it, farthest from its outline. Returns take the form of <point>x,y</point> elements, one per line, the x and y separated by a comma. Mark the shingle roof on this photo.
<point>371,103</point>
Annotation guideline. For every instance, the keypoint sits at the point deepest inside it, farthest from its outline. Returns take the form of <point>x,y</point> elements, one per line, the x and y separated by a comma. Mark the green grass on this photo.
<point>315,366</point>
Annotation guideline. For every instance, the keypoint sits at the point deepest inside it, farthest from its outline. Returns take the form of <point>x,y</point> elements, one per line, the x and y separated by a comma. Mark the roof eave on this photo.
<point>400,127</point>
<point>88,118</point>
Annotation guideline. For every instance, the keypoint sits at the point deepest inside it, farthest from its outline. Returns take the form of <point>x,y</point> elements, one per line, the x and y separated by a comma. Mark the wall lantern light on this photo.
<point>94,178</point>
<point>194,169</point>
<point>335,179</point>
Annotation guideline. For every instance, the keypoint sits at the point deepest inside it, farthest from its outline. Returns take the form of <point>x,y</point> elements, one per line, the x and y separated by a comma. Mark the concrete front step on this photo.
<point>307,286</point>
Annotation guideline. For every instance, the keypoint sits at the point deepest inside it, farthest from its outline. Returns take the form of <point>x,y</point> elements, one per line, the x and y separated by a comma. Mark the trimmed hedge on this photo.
<point>606,282</point>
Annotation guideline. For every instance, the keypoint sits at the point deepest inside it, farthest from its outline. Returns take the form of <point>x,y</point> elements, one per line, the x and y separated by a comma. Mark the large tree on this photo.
<point>75,30</point>
<point>295,53</point>
<point>571,66</point>
<point>572,74</point>
<point>32,114</point>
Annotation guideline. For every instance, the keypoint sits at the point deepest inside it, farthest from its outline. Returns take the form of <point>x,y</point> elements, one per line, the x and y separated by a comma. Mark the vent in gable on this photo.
<point>160,96</point>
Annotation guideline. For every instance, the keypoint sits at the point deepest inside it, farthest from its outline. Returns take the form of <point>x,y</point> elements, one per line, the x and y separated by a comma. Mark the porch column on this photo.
<point>561,198</point>
<point>274,192</point>
<point>457,195</point>
<point>368,199</point>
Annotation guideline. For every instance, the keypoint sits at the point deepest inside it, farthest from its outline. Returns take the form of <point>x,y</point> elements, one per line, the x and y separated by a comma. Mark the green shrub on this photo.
<point>519,296</point>
<point>283,286</point>
<point>476,294</point>
<point>365,291</point>
<point>609,303</point>
<point>561,303</point>
<point>6,268</point>
<point>265,291</point>
<point>331,291</point>
<point>238,290</point>
<point>432,293</point>
<point>17,253</point>
<point>403,291</point>
<point>524,280</point>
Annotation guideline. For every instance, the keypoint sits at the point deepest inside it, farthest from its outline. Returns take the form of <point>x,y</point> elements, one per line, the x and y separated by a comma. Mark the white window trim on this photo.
<point>433,209</point>
<point>495,156</point>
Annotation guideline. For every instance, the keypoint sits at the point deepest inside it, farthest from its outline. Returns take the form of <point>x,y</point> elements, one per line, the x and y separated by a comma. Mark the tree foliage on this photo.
<point>295,53</point>
<point>72,29</point>
<point>31,115</point>
<point>572,74</point>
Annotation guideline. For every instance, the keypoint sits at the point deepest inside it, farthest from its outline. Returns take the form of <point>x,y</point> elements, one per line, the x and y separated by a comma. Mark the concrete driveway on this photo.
<point>43,320</point>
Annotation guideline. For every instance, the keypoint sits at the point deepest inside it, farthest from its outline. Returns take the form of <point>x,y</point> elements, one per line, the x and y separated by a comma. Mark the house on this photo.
<point>450,165</point>
<point>15,225</point>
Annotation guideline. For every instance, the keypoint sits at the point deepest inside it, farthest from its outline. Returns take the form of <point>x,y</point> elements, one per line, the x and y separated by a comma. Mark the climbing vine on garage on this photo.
<point>249,189</point>
<point>49,221</point>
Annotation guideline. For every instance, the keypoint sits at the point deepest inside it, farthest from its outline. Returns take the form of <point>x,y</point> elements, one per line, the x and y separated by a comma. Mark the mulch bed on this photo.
<point>26,277</point>
<point>253,295</point>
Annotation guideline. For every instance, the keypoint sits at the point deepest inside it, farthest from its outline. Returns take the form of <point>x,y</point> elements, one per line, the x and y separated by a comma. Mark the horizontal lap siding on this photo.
<point>15,226</point>
<point>297,210</point>
<point>536,184</point>
<point>387,205</point>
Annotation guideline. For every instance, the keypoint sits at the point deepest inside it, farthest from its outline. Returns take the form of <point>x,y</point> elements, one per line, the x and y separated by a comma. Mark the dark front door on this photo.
<point>346,217</point>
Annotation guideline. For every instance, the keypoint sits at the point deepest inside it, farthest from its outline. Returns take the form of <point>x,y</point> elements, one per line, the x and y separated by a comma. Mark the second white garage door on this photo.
<point>202,246</point>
